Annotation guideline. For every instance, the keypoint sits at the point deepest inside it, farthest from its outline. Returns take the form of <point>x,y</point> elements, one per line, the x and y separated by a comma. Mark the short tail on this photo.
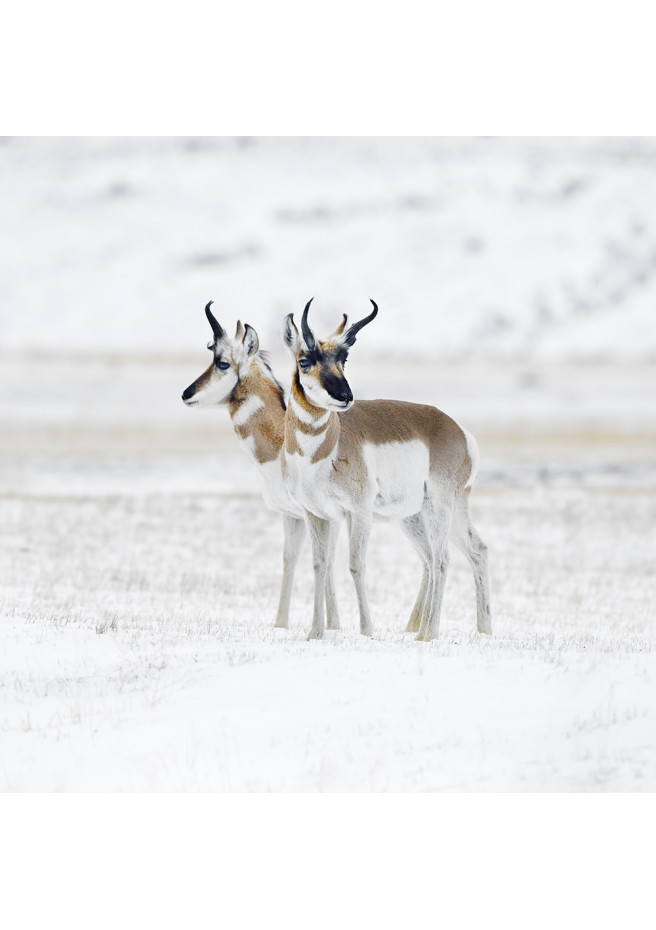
<point>475,457</point>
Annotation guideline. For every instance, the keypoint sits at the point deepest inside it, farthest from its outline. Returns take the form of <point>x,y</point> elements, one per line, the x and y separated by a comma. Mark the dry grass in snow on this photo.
<point>138,652</point>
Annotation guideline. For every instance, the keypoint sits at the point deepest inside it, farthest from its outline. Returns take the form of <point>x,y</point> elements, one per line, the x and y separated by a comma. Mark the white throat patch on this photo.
<point>306,417</point>
<point>245,411</point>
<point>308,444</point>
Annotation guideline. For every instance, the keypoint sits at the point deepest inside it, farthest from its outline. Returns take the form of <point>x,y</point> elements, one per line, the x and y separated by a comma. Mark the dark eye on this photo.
<point>223,365</point>
<point>305,363</point>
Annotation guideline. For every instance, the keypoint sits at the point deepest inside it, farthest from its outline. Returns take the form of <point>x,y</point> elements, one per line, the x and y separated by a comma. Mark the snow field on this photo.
<point>139,577</point>
<point>139,653</point>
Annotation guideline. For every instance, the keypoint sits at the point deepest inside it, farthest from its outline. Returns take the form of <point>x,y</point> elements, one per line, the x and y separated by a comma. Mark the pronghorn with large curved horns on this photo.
<point>377,459</point>
<point>241,378</point>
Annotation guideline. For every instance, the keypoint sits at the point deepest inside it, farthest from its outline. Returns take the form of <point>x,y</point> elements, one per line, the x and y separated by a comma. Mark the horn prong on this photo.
<point>355,328</point>
<point>342,325</point>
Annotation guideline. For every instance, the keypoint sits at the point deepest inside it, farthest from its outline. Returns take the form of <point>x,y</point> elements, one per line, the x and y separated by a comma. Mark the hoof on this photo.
<point>484,625</point>
<point>368,631</point>
<point>314,634</point>
<point>413,625</point>
<point>419,638</point>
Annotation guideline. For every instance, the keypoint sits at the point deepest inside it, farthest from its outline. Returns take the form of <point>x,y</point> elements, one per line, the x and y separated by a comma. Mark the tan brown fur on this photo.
<point>379,422</point>
<point>204,379</point>
<point>331,430</point>
<point>383,421</point>
<point>266,425</point>
<point>377,459</point>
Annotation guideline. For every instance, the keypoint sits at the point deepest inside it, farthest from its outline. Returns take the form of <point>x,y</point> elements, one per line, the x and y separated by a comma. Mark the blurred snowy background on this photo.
<point>492,247</point>
<point>516,280</point>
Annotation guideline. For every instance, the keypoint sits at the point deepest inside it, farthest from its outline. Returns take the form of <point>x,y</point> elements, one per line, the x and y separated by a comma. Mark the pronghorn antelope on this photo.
<point>241,378</point>
<point>374,459</point>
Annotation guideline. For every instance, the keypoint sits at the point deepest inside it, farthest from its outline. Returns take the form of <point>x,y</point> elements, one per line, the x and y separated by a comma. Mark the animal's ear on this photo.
<point>239,332</point>
<point>251,341</point>
<point>290,336</point>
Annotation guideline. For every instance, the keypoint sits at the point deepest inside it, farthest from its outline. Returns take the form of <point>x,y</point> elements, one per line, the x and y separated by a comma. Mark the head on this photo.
<point>232,358</point>
<point>320,363</point>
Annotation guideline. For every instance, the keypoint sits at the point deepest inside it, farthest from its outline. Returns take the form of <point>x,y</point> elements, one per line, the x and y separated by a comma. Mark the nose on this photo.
<point>337,387</point>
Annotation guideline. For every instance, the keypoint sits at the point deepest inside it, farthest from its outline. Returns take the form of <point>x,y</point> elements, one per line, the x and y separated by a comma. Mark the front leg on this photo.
<point>332,614</point>
<point>359,528</point>
<point>294,529</point>
<point>319,530</point>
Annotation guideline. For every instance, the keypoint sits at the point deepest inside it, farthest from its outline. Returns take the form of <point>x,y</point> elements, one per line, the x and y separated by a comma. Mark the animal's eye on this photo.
<point>223,365</point>
<point>305,363</point>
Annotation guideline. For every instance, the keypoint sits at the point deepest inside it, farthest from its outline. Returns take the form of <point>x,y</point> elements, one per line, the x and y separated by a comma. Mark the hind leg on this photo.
<point>437,515</point>
<point>359,526</point>
<point>465,537</point>
<point>415,529</point>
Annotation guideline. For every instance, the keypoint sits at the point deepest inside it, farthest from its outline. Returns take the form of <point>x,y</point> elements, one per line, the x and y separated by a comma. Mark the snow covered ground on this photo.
<point>140,571</point>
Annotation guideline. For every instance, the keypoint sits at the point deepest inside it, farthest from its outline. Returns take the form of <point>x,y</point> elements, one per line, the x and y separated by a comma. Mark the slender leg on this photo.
<point>438,522</point>
<point>415,530</point>
<point>466,538</point>
<point>359,528</point>
<point>332,614</point>
<point>320,536</point>
<point>294,529</point>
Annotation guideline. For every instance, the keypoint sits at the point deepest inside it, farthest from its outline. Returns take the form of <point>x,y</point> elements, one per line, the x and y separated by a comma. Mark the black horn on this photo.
<point>352,331</point>
<point>310,341</point>
<point>214,323</point>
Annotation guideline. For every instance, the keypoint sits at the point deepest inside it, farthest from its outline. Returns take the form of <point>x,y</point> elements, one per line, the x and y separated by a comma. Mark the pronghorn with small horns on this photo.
<point>241,378</point>
<point>377,459</point>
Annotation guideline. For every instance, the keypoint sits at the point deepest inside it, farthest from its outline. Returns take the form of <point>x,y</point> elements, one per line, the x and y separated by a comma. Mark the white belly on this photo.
<point>399,471</point>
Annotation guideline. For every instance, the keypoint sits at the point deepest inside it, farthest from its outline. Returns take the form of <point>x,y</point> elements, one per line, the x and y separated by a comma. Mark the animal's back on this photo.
<point>381,422</point>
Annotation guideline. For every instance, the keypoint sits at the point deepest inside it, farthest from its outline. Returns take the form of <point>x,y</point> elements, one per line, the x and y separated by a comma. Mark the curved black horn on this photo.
<point>214,323</point>
<point>352,331</point>
<point>310,341</point>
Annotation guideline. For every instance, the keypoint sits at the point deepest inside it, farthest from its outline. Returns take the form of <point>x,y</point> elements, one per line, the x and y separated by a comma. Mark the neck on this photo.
<point>310,431</point>
<point>257,411</point>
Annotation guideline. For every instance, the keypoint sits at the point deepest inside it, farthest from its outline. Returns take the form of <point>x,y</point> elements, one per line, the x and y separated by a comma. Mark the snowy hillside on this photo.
<point>480,246</point>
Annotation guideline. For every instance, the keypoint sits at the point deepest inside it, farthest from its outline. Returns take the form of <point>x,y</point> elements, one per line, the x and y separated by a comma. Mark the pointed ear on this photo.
<point>251,340</point>
<point>239,332</point>
<point>290,336</point>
